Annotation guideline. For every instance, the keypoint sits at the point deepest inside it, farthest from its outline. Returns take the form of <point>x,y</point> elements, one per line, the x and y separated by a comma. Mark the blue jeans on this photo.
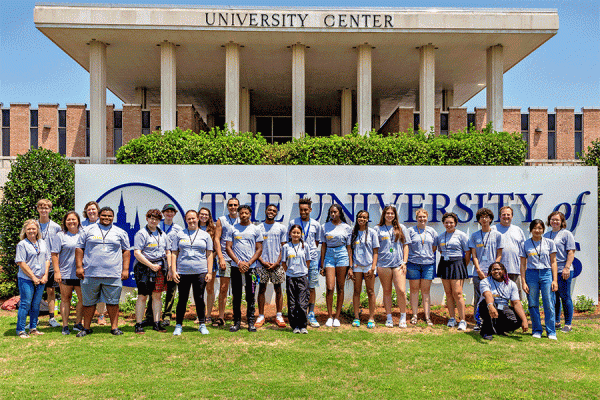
<point>31,296</point>
<point>540,280</point>
<point>564,294</point>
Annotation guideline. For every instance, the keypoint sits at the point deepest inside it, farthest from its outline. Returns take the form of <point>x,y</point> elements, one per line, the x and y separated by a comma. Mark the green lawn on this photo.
<point>416,362</point>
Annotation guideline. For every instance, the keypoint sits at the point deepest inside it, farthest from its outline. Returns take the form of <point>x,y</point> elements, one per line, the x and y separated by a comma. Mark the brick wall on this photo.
<point>76,126</point>
<point>19,128</point>
<point>438,122</point>
<point>565,137</point>
<point>392,124</point>
<point>185,117</point>
<point>406,118</point>
<point>591,126</point>
<point>457,119</point>
<point>538,142</point>
<point>154,117</point>
<point>512,120</point>
<point>132,122</point>
<point>48,126</point>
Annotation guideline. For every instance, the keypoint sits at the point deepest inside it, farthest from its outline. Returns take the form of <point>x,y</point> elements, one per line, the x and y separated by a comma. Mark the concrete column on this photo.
<point>494,86</point>
<point>168,86</point>
<point>141,96</point>
<point>244,110</point>
<point>298,91</point>
<point>232,86</point>
<point>447,99</point>
<point>346,111</point>
<point>97,102</point>
<point>427,88</point>
<point>363,91</point>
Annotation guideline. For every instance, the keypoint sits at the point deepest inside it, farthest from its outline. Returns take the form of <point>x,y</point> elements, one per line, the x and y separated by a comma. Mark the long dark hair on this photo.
<point>290,231</point>
<point>357,227</point>
<point>210,224</point>
<point>339,208</point>
<point>398,234</point>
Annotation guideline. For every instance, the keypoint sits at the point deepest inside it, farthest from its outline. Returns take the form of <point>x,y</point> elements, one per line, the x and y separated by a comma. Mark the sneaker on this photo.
<point>402,323</point>
<point>259,321</point>
<point>138,329</point>
<point>356,323</point>
<point>65,330</point>
<point>312,320</point>
<point>429,322</point>
<point>177,331</point>
<point>78,327</point>
<point>477,327</point>
<point>557,325</point>
<point>116,332</point>
<point>158,327</point>
<point>165,323</point>
<point>537,335</point>
<point>552,337</point>
<point>566,328</point>
<point>280,322</point>
<point>101,320</point>
<point>413,320</point>
<point>329,322</point>
<point>488,337</point>
<point>202,329</point>
<point>35,332</point>
<point>235,327</point>
<point>336,323</point>
<point>304,331</point>
<point>251,327</point>
<point>451,323</point>
<point>84,332</point>
<point>389,323</point>
<point>53,322</point>
<point>296,330</point>
<point>23,335</point>
<point>462,325</point>
<point>370,324</point>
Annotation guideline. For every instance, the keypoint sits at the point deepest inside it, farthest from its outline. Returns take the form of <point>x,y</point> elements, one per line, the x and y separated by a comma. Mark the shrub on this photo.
<point>584,304</point>
<point>34,175</point>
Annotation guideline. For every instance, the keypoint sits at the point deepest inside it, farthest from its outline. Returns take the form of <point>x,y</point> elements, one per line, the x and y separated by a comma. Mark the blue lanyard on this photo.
<point>306,231</point>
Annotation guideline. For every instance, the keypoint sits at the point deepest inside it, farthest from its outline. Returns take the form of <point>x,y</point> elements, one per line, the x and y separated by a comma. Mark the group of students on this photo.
<point>91,257</point>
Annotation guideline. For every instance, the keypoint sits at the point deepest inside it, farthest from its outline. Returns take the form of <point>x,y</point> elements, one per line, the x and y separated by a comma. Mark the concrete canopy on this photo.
<point>133,33</point>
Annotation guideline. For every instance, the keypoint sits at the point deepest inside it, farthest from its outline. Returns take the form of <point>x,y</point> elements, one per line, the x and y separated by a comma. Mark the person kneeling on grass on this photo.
<point>296,262</point>
<point>498,316</point>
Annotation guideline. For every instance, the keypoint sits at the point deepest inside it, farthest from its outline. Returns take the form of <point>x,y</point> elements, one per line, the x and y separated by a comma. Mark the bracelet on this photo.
<point>490,304</point>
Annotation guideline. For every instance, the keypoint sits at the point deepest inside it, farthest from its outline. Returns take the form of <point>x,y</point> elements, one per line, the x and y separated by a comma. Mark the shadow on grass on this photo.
<point>515,336</point>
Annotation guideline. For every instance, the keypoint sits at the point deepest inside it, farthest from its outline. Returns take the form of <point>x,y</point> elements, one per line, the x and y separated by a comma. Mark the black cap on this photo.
<point>169,207</point>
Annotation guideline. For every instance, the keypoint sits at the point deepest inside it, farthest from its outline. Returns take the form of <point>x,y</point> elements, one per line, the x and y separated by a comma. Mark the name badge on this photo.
<point>295,261</point>
<point>484,257</point>
<point>105,248</point>
<point>360,251</point>
<point>500,307</point>
<point>446,258</point>
<point>192,253</point>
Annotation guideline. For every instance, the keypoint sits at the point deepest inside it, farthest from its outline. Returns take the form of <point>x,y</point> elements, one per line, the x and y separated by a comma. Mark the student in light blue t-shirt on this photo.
<point>295,260</point>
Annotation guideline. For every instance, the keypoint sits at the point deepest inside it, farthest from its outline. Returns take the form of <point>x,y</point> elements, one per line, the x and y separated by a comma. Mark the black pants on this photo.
<point>298,295</point>
<point>236,291</point>
<point>169,300</point>
<point>507,320</point>
<point>198,283</point>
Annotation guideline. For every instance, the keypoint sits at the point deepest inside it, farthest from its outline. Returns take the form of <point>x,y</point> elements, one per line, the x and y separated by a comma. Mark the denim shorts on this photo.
<point>97,290</point>
<point>313,273</point>
<point>358,268</point>
<point>336,257</point>
<point>419,271</point>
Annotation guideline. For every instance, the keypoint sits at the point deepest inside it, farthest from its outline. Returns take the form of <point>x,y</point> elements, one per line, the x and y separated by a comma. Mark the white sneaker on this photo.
<point>552,337</point>
<point>296,330</point>
<point>53,322</point>
<point>177,331</point>
<point>451,323</point>
<point>336,323</point>
<point>537,335</point>
<point>389,323</point>
<point>462,325</point>
<point>202,329</point>
<point>329,322</point>
<point>304,331</point>
<point>402,323</point>
<point>312,320</point>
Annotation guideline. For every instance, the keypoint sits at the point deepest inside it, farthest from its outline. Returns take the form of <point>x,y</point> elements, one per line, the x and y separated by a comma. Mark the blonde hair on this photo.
<point>23,233</point>
<point>43,202</point>
<point>421,211</point>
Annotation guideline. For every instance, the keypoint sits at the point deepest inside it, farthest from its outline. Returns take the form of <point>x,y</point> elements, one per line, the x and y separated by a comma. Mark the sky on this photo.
<point>564,72</point>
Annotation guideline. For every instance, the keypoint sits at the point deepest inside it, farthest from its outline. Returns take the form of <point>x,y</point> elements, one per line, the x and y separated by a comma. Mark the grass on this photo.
<point>418,362</point>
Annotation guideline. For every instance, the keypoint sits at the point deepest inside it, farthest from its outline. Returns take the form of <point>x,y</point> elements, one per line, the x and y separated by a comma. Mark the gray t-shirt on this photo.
<point>512,240</point>
<point>170,231</point>
<point>452,244</point>
<point>103,248</point>
<point>64,244</point>
<point>538,253</point>
<point>486,245</point>
<point>227,224</point>
<point>86,222</point>
<point>295,258</point>
<point>420,249</point>
<point>244,239</point>
<point>362,248</point>
<point>312,232</point>
<point>564,242</point>
<point>336,235</point>
<point>35,256</point>
<point>48,231</point>
<point>390,253</point>
<point>153,245</point>
<point>502,292</point>
<point>274,236</point>
<point>192,247</point>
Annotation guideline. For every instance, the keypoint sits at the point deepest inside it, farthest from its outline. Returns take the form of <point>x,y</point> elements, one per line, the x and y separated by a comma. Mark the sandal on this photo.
<point>218,322</point>
<point>413,320</point>
<point>429,323</point>
<point>35,332</point>
<point>356,323</point>
<point>23,335</point>
<point>371,324</point>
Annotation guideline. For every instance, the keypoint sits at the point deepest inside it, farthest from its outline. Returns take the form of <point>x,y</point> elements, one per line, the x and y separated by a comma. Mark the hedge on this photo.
<point>467,147</point>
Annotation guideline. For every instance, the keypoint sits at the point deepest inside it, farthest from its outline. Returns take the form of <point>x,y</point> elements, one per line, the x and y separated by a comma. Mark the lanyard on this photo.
<point>446,240</point>
<point>306,231</point>
<point>296,248</point>
<point>103,235</point>
<point>44,232</point>
<point>361,234</point>
<point>423,236</point>
<point>485,242</point>
<point>157,238</point>
<point>192,241</point>
<point>35,246</point>
<point>539,252</point>
<point>164,227</point>
<point>500,294</point>
<point>231,221</point>
<point>390,233</point>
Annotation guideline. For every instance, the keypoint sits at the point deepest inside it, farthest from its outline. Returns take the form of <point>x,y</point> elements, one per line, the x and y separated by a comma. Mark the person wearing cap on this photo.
<point>170,229</point>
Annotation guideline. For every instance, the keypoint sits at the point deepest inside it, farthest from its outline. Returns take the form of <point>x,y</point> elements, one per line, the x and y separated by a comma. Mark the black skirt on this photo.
<point>454,268</point>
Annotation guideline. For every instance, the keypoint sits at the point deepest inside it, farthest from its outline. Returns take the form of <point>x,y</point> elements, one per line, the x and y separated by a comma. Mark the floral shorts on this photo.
<point>276,276</point>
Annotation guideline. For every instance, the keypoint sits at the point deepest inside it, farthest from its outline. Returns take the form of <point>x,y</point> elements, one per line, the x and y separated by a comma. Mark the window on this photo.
<point>471,120</point>
<point>317,126</point>
<point>6,133</point>
<point>444,123</point>
<point>578,135</point>
<point>33,129</point>
<point>552,136</point>
<point>87,133</point>
<point>416,120</point>
<point>525,130</point>
<point>145,122</point>
<point>62,132</point>
<point>117,131</point>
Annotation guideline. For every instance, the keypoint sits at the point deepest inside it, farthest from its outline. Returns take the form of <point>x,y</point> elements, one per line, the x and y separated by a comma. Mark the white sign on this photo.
<point>533,192</point>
